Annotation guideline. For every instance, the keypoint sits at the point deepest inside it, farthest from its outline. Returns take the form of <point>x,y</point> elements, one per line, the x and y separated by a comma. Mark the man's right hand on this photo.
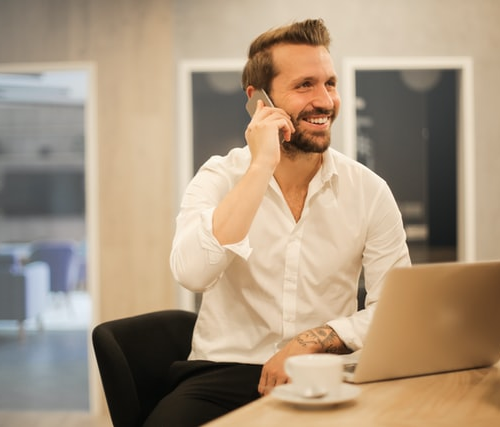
<point>263,134</point>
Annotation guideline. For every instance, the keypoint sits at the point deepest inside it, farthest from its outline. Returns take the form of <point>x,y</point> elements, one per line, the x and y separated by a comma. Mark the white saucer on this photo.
<point>287,393</point>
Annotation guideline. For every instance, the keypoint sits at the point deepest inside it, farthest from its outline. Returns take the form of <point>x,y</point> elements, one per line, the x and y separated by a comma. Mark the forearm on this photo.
<point>199,250</point>
<point>234,215</point>
<point>196,259</point>
<point>322,339</point>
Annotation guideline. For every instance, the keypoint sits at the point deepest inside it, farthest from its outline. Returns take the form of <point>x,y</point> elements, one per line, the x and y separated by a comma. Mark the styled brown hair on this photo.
<point>259,70</point>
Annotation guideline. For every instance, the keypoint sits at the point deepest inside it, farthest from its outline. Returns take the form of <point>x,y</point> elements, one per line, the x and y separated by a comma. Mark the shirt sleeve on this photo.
<point>385,248</point>
<point>197,259</point>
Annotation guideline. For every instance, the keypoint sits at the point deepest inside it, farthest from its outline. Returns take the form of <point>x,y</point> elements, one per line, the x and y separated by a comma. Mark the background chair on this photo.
<point>63,261</point>
<point>23,290</point>
<point>134,355</point>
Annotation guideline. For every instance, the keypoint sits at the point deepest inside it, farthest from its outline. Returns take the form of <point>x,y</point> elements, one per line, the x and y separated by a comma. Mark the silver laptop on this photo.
<point>432,318</point>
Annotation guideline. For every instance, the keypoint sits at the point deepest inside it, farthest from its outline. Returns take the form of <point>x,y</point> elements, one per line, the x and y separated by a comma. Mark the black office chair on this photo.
<point>134,354</point>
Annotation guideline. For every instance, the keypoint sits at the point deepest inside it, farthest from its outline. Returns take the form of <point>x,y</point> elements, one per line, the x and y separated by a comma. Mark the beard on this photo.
<point>307,141</point>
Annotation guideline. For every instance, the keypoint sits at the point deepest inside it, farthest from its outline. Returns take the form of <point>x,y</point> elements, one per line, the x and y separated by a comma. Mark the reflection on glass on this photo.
<point>43,241</point>
<point>406,132</point>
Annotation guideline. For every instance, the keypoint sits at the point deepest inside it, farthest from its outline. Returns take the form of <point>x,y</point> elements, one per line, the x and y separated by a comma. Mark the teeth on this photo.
<point>318,121</point>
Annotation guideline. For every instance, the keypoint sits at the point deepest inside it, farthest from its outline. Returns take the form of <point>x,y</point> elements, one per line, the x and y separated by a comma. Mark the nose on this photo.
<point>324,98</point>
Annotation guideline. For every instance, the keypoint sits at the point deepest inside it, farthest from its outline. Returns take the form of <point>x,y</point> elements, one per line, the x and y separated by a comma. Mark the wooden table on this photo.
<point>466,398</point>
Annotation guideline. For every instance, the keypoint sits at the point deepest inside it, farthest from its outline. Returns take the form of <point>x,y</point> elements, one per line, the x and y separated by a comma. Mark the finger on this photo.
<point>287,129</point>
<point>259,106</point>
<point>281,380</point>
<point>268,387</point>
<point>262,383</point>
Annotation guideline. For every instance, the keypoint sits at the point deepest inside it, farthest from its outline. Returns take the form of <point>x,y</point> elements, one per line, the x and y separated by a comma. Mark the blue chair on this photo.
<point>63,261</point>
<point>23,290</point>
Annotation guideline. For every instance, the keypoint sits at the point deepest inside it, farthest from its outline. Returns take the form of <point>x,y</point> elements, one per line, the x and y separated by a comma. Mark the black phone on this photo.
<point>252,102</point>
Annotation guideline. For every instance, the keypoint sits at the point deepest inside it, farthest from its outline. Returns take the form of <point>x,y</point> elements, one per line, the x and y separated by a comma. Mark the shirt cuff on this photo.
<point>345,330</point>
<point>215,250</point>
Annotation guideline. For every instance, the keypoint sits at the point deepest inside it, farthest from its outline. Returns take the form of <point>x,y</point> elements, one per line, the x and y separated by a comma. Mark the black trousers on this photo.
<point>203,391</point>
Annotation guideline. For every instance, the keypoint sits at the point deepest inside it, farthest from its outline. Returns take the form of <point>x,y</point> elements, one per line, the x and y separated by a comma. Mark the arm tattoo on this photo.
<point>325,338</point>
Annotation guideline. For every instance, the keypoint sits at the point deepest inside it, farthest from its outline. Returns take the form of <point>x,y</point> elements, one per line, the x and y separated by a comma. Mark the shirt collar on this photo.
<point>329,171</point>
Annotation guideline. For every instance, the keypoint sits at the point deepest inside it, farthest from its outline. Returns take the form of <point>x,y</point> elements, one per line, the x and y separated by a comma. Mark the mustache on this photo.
<point>317,112</point>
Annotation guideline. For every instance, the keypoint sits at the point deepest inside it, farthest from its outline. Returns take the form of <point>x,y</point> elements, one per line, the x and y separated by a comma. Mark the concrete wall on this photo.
<point>385,28</point>
<point>128,44</point>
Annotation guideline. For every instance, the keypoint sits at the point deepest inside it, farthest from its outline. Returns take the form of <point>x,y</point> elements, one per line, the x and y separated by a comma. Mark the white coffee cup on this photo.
<point>314,375</point>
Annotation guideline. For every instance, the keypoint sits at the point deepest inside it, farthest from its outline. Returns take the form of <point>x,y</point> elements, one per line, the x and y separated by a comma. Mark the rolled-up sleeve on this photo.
<point>197,259</point>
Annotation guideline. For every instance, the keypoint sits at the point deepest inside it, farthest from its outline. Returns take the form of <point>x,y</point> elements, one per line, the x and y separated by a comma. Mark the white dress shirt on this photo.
<point>285,276</point>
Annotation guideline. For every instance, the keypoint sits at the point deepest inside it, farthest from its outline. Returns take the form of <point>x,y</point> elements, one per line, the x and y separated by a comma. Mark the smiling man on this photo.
<point>275,235</point>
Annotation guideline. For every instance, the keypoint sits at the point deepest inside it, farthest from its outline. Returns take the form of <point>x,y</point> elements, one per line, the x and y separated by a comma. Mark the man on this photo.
<point>276,235</point>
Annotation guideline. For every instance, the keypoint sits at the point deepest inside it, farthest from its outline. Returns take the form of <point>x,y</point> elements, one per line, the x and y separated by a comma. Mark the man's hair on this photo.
<point>259,70</point>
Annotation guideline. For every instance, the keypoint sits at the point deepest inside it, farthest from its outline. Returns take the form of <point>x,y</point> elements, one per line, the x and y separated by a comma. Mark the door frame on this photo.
<point>466,206</point>
<point>91,197</point>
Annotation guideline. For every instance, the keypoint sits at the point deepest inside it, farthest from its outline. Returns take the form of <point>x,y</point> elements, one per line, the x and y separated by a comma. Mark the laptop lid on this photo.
<point>433,318</point>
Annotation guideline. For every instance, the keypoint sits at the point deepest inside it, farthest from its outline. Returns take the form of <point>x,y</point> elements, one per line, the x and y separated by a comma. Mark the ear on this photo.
<point>250,91</point>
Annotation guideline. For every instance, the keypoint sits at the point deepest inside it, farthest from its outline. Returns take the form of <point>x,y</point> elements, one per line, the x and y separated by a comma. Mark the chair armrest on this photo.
<point>134,355</point>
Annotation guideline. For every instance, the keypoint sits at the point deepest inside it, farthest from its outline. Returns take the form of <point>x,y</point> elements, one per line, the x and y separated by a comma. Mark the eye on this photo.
<point>305,84</point>
<point>331,83</point>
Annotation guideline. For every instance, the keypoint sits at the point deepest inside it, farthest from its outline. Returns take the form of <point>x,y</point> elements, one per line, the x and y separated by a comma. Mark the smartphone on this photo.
<point>251,105</point>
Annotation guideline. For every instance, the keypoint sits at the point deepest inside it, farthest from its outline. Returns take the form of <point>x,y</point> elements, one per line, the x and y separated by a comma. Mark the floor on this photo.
<point>43,375</point>
<point>47,370</point>
<point>44,371</point>
<point>52,419</point>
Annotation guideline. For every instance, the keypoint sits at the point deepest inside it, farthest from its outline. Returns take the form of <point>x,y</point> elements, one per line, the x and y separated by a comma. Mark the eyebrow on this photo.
<point>298,80</point>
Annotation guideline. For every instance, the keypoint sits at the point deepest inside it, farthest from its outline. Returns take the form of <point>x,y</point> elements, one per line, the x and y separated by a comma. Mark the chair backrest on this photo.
<point>134,355</point>
<point>63,263</point>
